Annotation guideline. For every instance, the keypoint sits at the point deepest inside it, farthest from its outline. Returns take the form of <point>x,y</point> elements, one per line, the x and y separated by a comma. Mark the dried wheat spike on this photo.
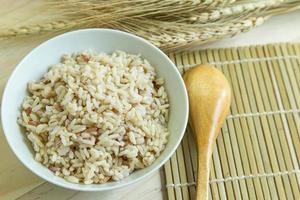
<point>169,24</point>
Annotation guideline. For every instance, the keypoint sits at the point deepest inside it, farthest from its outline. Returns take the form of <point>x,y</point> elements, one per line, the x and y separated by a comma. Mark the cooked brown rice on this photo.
<point>96,117</point>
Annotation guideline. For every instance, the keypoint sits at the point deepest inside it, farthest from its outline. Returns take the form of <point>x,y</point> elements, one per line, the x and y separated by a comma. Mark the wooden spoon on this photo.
<point>209,98</point>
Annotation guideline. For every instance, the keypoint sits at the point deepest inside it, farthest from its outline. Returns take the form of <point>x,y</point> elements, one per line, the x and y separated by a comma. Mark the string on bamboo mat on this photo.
<point>247,60</point>
<point>263,113</point>
<point>237,178</point>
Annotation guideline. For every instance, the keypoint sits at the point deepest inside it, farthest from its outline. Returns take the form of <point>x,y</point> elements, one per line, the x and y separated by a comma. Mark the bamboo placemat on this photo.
<point>258,151</point>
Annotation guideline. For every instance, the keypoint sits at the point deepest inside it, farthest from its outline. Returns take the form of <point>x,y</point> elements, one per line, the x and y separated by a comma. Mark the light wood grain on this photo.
<point>149,189</point>
<point>209,101</point>
<point>14,177</point>
<point>15,180</point>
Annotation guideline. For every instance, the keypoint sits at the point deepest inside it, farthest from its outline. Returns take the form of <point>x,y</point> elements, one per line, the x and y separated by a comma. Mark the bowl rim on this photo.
<point>78,188</point>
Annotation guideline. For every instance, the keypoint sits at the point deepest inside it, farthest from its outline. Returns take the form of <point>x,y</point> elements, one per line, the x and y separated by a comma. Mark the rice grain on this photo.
<point>96,117</point>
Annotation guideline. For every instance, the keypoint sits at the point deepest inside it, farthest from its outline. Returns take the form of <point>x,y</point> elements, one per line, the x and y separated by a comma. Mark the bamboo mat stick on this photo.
<point>174,163</point>
<point>240,124</point>
<point>179,63</point>
<point>293,71</point>
<point>192,61</point>
<point>214,188</point>
<point>233,134</point>
<point>282,131</point>
<point>191,143</point>
<point>296,63</point>
<point>213,55</point>
<point>266,126</point>
<point>290,85</point>
<point>296,93</point>
<point>254,128</point>
<point>176,178</point>
<point>245,125</point>
<point>188,163</point>
<point>290,126</point>
<point>216,157</point>
<point>293,93</point>
<point>226,152</point>
<point>180,192</point>
<point>274,130</point>
<point>185,61</point>
<point>191,57</point>
<point>290,70</point>
<point>259,123</point>
<point>288,77</point>
<point>223,166</point>
<point>242,97</point>
<point>172,57</point>
<point>182,172</point>
<point>168,168</point>
<point>295,68</point>
<point>192,152</point>
<point>216,167</point>
<point>169,180</point>
<point>280,146</point>
<point>198,58</point>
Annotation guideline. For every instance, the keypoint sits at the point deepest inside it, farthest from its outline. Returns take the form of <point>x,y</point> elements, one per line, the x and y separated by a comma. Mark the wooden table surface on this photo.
<point>18,182</point>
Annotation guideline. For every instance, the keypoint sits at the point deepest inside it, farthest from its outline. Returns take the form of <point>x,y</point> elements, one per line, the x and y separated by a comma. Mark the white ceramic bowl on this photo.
<point>37,62</point>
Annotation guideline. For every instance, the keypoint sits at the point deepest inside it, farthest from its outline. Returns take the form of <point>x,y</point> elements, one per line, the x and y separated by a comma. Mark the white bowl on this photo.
<point>37,62</point>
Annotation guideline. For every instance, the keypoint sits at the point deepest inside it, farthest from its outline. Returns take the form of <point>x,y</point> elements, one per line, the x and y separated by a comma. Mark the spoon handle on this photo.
<point>209,101</point>
<point>205,147</point>
<point>203,175</point>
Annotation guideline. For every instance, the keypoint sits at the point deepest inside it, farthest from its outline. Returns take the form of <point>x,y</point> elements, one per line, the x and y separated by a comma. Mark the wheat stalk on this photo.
<point>169,24</point>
